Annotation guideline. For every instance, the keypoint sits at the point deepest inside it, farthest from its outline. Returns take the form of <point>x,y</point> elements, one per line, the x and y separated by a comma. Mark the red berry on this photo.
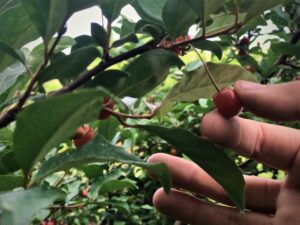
<point>245,41</point>
<point>227,103</point>
<point>173,152</point>
<point>52,222</point>
<point>242,52</point>
<point>108,103</point>
<point>45,222</point>
<point>83,135</point>
<point>85,192</point>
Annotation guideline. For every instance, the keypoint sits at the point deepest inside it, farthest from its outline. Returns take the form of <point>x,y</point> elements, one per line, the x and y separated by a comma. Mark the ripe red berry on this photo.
<point>52,222</point>
<point>45,222</point>
<point>245,41</point>
<point>173,152</point>
<point>83,135</point>
<point>108,103</point>
<point>242,52</point>
<point>227,103</point>
<point>85,192</point>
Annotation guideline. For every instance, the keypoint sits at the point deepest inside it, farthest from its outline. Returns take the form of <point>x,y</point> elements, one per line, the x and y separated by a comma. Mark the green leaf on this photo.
<point>44,125</point>
<point>10,182</point>
<point>152,8</point>
<point>148,71</point>
<point>12,79</point>
<point>6,135</point>
<point>6,49</point>
<point>77,62</point>
<point>112,8</point>
<point>260,6</point>
<point>78,5</point>
<point>9,162</point>
<point>48,15</point>
<point>285,48</point>
<point>130,38</point>
<point>205,7</point>
<point>210,46</point>
<point>7,4</point>
<point>15,33</point>
<point>100,150</point>
<point>196,84</point>
<point>209,157</point>
<point>178,17</point>
<point>127,28</point>
<point>153,29</point>
<point>108,184</point>
<point>15,205</point>
<point>99,34</point>
<point>10,76</point>
<point>108,128</point>
<point>112,80</point>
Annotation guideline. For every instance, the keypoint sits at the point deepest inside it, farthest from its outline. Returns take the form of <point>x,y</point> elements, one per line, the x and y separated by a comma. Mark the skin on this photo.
<point>269,202</point>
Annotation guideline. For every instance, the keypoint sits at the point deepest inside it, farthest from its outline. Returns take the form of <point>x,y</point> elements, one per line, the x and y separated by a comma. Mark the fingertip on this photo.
<point>158,196</point>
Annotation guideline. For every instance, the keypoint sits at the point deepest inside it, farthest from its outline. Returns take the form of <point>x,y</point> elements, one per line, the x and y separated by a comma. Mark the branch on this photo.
<point>10,115</point>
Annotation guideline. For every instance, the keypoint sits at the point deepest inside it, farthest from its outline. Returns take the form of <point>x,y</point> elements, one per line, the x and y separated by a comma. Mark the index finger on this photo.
<point>274,145</point>
<point>278,102</point>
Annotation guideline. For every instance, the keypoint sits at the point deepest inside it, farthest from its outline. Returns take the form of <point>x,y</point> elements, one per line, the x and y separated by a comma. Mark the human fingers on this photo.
<point>190,210</point>
<point>278,102</point>
<point>261,194</point>
<point>274,145</point>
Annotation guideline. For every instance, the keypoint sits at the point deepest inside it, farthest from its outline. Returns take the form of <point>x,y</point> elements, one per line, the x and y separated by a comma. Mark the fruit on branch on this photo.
<point>180,50</point>
<point>107,103</point>
<point>245,41</point>
<point>242,52</point>
<point>52,222</point>
<point>85,192</point>
<point>173,152</point>
<point>227,103</point>
<point>83,135</point>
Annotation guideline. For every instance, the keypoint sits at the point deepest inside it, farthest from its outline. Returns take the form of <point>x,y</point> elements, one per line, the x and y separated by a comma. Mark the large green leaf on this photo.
<point>205,7</point>
<point>108,128</point>
<point>100,150</point>
<point>209,157</point>
<point>12,79</point>
<point>17,55</point>
<point>48,15</point>
<point>44,125</point>
<point>148,71</point>
<point>15,32</point>
<point>76,62</point>
<point>152,8</point>
<point>260,6</point>
<point>77,5</point>
<point>112,8</point>
<point>9,182</point>
<point>196,84</point>
<point>18,208</point>
<point>112,80</point>
<point>178,17</point>
<point>284,48</point>
<point>7,4</point>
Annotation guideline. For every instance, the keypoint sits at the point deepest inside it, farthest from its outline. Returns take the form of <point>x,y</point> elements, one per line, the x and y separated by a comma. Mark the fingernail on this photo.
<point>250,86</point>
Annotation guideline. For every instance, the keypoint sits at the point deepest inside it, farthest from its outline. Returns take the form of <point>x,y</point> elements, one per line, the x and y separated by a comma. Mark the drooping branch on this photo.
<point>10,115</point>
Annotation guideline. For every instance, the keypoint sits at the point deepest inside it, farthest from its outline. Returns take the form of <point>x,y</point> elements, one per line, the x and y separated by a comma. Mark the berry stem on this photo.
<point>207,70</point>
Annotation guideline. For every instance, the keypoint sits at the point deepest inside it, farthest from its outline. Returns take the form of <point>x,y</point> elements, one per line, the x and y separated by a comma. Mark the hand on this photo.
<point>269,202</point>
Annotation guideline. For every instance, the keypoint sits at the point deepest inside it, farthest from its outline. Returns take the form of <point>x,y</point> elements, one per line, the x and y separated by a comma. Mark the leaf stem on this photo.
<point>207,70</point>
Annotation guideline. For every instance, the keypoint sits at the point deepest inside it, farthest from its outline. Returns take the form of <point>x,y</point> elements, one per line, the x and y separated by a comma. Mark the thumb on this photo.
<point>279,102</point>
